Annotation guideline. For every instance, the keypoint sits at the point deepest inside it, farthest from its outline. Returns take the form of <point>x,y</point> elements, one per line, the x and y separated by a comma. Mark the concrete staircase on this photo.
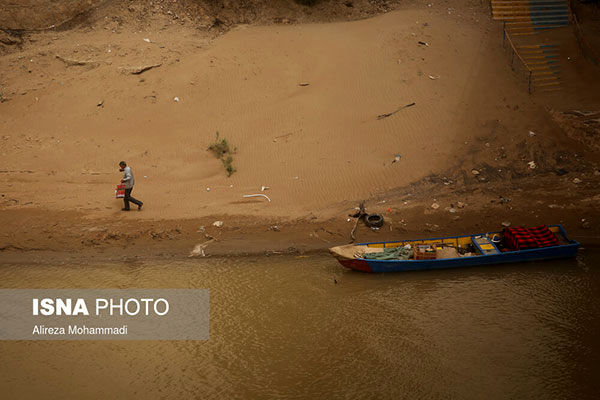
<point>543,62</point>
<point>522,20</point>
<point>528,17</point>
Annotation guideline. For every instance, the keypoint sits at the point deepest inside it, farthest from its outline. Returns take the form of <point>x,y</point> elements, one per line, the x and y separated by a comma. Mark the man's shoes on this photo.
<point>124,209</point>
<point>140,206</point>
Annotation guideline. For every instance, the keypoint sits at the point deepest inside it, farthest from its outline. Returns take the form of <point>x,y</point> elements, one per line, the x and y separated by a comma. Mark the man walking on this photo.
<point>128,181</point>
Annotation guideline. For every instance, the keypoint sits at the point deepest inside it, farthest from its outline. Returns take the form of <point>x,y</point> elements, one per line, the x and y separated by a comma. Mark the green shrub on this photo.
<point>227,164</point>
<point>222,151</point>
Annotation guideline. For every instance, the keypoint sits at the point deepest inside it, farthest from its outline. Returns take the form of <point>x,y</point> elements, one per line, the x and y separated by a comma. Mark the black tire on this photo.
<point>374,220</point>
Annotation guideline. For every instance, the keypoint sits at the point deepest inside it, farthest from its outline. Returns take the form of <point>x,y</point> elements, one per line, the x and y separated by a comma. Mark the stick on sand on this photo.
<point>382,116</point>
<point>360,214</point>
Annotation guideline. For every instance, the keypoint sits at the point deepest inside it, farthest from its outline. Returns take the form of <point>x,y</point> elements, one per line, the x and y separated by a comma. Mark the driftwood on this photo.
<point>382,116</point>
<point>72,62</point>
<point>360,214</point>
<point>139,69</point>
<point>285,136</point>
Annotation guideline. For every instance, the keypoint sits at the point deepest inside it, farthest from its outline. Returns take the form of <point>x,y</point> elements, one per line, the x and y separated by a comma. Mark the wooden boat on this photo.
<point>485,248</point>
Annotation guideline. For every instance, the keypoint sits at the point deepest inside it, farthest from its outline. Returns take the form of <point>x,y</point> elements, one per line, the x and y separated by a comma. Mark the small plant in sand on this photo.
<point>222,151</point>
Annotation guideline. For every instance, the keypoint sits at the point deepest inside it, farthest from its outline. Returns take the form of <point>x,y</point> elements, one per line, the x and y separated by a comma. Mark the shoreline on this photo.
<point>31,234</point>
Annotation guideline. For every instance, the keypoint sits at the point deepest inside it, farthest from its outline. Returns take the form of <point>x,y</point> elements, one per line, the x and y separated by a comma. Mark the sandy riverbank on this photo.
<point>41,236</point>
<point>319,148</point>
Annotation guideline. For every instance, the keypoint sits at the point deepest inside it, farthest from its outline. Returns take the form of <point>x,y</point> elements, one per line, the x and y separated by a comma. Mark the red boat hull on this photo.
<point>359,265</point>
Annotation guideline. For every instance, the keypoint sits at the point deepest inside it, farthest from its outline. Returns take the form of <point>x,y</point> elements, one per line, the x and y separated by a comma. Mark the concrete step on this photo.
<point>557,10</point>
<point>526,33</point>
<point>538,46</point>
<point>554,89</point>
<point>546,78</point>
<point>526,17</point>
<point>543,27</point>
<point>538,50</point>
<point>545,48</point>
<point>511,19</point>
<point>547,84</point>
<point>537,55</point>
<point>518,28</point>
<point>537,74</point>
<point>528,57</point>
<point>531,12</point>
<point>533,26</point>
<point>517,18</point>
<point>531,16</point>
<point>529,2</point>
<point>526,2</point>
<point>510,24</point>
<point>530,8</point>
<point>536,14</point>
<point>562,10</point>
<point>536,28</point>
<point>545,68</point>
<point>496,4</point>
<point>551,62</point>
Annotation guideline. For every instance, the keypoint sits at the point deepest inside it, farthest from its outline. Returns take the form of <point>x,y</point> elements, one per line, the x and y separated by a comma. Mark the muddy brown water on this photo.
<point>281,328</point>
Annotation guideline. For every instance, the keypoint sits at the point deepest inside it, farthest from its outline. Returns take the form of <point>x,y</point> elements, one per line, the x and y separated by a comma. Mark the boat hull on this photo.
<point>358,265</point>
<point>566,250</point>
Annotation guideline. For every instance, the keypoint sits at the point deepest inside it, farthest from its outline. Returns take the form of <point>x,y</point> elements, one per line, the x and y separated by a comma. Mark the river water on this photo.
<point>282,328</point>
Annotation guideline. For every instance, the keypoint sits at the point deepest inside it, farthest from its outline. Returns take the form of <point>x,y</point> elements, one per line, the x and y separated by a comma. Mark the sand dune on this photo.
<point>314,146</point>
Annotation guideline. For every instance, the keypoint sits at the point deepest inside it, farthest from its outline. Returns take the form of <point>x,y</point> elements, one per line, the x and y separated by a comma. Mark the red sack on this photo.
<point>120,191</point>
